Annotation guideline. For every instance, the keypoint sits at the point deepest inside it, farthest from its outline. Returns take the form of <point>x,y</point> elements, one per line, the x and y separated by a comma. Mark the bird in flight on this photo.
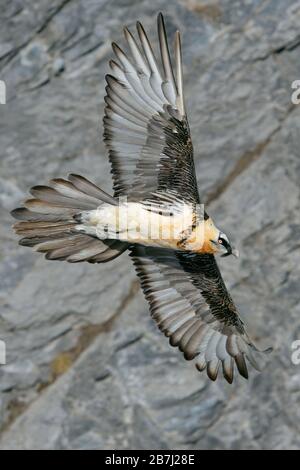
<point>155,212</point>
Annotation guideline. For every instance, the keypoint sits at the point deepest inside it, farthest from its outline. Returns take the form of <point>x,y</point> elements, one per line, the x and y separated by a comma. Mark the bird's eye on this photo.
<point>223,240</point>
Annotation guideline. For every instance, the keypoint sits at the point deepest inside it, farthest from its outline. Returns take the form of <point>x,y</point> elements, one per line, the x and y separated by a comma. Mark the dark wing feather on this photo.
<point>190,303</point>
<point>204,273</point>
<point>145,124</point>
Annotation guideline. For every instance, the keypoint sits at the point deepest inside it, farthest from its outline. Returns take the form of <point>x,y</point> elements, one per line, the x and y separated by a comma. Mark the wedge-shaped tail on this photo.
<point>49,221</point>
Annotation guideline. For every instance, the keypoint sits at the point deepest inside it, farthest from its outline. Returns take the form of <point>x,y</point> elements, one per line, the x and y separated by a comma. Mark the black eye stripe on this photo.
<point>224,242</point>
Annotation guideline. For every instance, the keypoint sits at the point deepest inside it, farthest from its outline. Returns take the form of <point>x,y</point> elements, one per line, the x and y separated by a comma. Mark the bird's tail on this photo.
<point>48,222</point>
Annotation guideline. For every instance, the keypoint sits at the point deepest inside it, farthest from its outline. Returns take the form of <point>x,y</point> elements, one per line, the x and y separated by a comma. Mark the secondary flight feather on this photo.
<point>155,212</point>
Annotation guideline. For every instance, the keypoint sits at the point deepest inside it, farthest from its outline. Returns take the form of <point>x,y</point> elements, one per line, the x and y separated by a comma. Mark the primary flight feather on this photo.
<point>155,212</point>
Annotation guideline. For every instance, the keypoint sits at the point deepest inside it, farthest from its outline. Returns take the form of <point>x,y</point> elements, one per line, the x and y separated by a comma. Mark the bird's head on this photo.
<point>218,241</point>
<point>224,246</point>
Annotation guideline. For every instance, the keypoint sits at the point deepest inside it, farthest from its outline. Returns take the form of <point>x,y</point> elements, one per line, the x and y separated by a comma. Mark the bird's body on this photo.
<point>164,226</point>
<point>155,213</point>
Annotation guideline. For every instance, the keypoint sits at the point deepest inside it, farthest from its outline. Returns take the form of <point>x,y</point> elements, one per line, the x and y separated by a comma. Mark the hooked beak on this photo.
<point>231,251</point>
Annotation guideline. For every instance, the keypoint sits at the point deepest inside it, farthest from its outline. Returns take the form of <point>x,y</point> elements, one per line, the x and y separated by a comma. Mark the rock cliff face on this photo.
<point>86,366</point>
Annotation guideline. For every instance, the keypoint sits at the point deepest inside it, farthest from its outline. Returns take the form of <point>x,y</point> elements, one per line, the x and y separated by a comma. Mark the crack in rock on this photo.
<point>244,162</point>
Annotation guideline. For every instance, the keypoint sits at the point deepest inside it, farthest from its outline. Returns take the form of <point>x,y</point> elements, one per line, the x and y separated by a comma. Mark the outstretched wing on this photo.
<point>145,124</point>
<point>191,305</point>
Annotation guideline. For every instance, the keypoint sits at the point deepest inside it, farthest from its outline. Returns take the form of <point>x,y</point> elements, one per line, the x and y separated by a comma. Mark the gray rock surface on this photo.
<point>86,367</point>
